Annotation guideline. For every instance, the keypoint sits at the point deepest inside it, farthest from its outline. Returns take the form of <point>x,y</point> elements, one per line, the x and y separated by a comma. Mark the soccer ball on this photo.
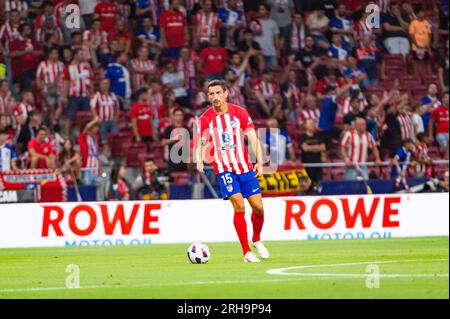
<point>198,253</point>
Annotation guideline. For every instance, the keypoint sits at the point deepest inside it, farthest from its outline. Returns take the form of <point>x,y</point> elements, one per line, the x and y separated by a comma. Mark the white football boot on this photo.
<point>251,258</point>
<point>262,250</point>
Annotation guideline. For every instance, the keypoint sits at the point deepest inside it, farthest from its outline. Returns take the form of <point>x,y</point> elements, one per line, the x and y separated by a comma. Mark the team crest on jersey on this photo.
<point>233,124</point>
<point>229,188</point>
<point>226,138</point>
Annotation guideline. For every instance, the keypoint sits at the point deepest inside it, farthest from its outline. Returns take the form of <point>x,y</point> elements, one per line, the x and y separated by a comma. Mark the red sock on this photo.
<point>257,221</point>
<point>241,229</point>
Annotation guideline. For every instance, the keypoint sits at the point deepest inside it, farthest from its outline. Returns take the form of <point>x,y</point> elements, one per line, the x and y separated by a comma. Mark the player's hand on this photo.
<point>258,169</point>
<point>349,163</point>
<point>201,167</point>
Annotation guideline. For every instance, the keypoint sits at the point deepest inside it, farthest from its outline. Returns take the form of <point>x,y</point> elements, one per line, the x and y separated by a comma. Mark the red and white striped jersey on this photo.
<point>235,95</point>
<point>357,146</point>
<point>137,65</point>
<point>157,104</point>
<point>188,68</point>
<point>421,153</point>
<point>22,110</point>
<point>6,104</point>
<point>267,89</point>
<point>89,151</point>
<point>225,134</point>
<point>106,106</point>
<point>313,114</point>
<point>345,105</point>
<point>50,72</point>
<point>405,121</point>
<point>207,25</point>
<point>18,5</point>
<point>97,37</point>
<point>8,33</point>
<point>80,77</point>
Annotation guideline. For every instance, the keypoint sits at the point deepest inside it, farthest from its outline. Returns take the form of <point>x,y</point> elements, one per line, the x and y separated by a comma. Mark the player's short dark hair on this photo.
<point>218,83</point>
<point>177,109</point>
<point>42,128</point>
<point>407,141</point>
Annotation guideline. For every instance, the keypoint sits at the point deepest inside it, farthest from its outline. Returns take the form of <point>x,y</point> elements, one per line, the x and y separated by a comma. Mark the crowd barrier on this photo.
<point>286,218</point>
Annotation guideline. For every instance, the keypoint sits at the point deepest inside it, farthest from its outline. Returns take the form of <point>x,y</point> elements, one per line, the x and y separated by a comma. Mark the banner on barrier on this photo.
<point>287,182</point>
<point>288,218</point>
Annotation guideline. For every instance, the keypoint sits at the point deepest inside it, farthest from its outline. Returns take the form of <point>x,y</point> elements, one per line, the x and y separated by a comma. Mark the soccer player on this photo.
<point>222,127</point>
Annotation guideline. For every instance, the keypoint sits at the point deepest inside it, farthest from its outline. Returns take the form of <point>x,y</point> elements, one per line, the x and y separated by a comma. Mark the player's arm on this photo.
<point>256,145</point>
<point>200,154</point>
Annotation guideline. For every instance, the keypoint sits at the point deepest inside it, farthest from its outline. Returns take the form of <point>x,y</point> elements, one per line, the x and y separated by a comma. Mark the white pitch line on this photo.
<point>281,271</point>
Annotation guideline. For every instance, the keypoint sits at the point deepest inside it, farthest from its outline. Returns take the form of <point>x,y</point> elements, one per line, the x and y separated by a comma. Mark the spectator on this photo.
<point>119,77</point>
<point>25,54</point>
<point>87,11</point>
<point>141,66</point>
<point>319,26</point>
<point>269,38</point>
<point>89,149</point>
<point>292,93</point>
<point>206,25</point>
<point>343,26</point>
<point>174,30</point>
<point>355,112</point>
<point>235,95</point>
<point>120,188</point>
<point>281,11</point>
<point>440,119</point>
<point>62,11</point>
<point>105,106</point>
<point>417,121</point>
<point>355,147</point>
<point>49,76</point>
<point>156,98</point>
<point>5,125</point>
<point>214,59</point>
<point>175,81</point>
<point>147,185</point>
<point>421,157</point>
<point>88,53</point>
<point>430,102</point>
<point>7,101</point>
<point>7,153</point>
<point>404,117</point>
<point>313,150</point>
<point>49,28</point>
<point>277,142</point>
<point>298,34</point>
<point>421,32</point>
<point>121,35</point>
<point>395,30</point>
<point>355,73</point>
<point>369,57</point>
<point>231,23</point>
<point>69,160</point>
<point>27,131</point>
<point>47,10</point>
<point>279,111</point>
<point>402,161</point>
<point>328,112</point>
<point>308,56</point>
<point>176,137</point>
<point>9,30</point>
<point>95,36</point>
<point>187,63</point>
<point>264,91</point>
<point>22,110</point>
<point>311,111</point>
<point>150,37</point>
<point>107,12</point>
<point>41,152</point>
<point>77,88</point>
<point>142,118</point>
<point>248,43</point>
<point>338,49</point>
<point>147,9</point>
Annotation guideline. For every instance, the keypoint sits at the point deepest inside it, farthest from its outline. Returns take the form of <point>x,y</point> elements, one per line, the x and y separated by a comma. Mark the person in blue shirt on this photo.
<point>429,103</point>
<point>352,71</point>
<point>7,154</point>
<point>119,77</point>
<point>338,49</point>
<point>231,21</point>
<point>342,26</point>
<point>149,35</point>
<point>148,8</point>
<point>328,112</point>
<point>402,158</point>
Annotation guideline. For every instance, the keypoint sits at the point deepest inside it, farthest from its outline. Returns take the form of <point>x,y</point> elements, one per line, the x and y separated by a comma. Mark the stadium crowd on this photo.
<point>342,83</point>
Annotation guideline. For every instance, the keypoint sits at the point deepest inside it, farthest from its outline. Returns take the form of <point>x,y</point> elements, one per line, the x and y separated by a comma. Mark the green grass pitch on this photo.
<point>408,268</point>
